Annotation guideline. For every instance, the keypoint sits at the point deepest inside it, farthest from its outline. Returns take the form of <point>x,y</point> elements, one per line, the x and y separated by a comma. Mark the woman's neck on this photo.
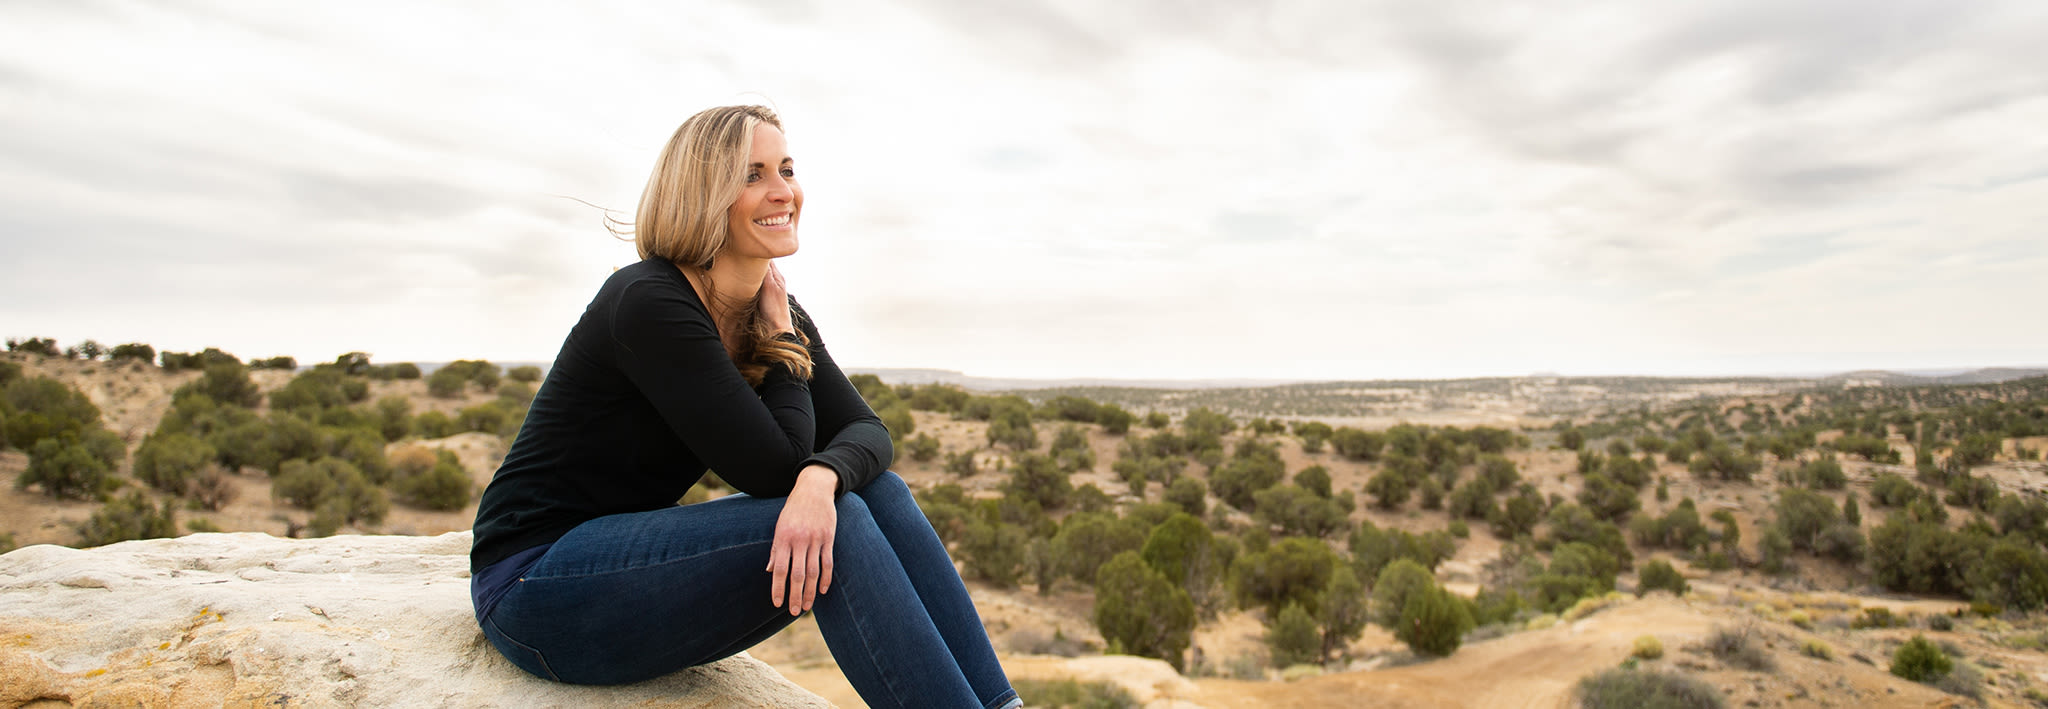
<point>730,284</point>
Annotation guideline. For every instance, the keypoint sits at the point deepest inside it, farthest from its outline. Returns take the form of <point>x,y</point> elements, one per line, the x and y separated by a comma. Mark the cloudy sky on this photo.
<point>1194,188</point>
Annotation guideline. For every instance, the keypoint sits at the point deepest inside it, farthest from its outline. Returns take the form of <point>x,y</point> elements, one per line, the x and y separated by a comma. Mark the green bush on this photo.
<point>1622,688</point>
<point>74,467</point>
<point>172,462</point>
<point>1038,479</point>
<point>1299,512</point>
<point>1189,494</point>
<point>1434,622</point>
<point>1659,575</point>
<point>225,383</point>
<point>994,551</point>
<point>1921,661</point>
<point>130,516</point>
<point>524,373</point>
<point>1293,569</point>
<point>1253,468</point>
<point>445,486</point>
<point>923,448</point>
<point>39,408</point>
<point>334,488</point>
<point>1140,612</point>
<point>1088,540</point>
<point>961,463</point>
<point>134,350</point>
<point>1291,638</point>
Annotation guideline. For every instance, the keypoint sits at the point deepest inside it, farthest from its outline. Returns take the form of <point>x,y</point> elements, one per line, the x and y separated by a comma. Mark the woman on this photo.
<point>585,569</point>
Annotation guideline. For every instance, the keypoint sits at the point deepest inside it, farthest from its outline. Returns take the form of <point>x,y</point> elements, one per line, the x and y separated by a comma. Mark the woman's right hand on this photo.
<point>775,301</point>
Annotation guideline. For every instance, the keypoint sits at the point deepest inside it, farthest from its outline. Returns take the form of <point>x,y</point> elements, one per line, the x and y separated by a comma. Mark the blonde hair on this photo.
<point>682,219</point>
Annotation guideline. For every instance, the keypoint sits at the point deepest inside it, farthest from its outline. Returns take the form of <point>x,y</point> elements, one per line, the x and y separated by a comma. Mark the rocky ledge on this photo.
<point>254,620</point>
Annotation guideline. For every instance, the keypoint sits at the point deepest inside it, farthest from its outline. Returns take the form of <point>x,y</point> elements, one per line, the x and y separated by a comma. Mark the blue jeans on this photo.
<point>635,596</point>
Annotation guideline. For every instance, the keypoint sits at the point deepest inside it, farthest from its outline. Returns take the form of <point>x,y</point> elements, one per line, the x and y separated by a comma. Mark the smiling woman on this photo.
<point>586,571</point>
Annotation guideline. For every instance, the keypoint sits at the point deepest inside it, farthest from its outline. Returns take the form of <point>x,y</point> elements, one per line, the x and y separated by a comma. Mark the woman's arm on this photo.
<point>755,437</point>
<point>857,445</point>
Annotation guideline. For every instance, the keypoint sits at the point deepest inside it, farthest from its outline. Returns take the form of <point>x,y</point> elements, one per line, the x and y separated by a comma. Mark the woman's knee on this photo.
<point>886,483</point>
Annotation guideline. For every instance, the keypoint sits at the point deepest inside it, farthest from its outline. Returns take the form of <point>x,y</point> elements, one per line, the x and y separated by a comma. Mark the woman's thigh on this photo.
<point>634,596</point>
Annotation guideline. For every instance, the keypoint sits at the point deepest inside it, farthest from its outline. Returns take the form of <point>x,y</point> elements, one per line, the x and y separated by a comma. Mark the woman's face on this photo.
<point>762,222</point>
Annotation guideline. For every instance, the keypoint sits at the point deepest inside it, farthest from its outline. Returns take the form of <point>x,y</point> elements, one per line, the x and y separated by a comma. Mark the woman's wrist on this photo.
<point>815,478</point>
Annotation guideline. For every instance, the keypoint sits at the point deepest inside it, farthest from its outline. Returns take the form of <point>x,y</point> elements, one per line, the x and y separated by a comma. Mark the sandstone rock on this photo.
<point>250,619</point>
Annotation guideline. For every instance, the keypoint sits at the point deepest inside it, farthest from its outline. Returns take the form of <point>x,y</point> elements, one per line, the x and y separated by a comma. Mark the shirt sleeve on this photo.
<point>856,444</point>
<point>755,437</point>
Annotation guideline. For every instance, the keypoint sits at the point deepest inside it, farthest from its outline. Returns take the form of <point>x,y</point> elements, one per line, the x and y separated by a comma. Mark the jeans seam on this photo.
<point>608,572</point>
<point>537,655</point>
<point>868,647</point>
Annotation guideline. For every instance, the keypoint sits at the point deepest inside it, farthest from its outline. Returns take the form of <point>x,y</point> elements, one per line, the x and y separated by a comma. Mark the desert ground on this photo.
<point>1536,664</point>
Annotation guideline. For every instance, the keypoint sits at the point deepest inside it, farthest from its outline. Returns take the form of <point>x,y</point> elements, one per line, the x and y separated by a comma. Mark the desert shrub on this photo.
<point>1252,468</point>
<point>201,525</point>
<point>446,384</point>
<point>1737,647</point>
<point>1313,435</point>
<point>1923,556</point>
<point>1723,462</point>
<point>1940,623</point>
<point>212,490</point>
<point>130,516</point>
<point>524,373</point>
<point>897,420</point>
<point>1803,515</point>
<point>994,550</point>
<point>923,448</point>
<point>1395,586</point>
<point>1140,612</point>
<point>1434,622</point>
<point>39,408</point>
<point>1038,479</point>
<point>1824,473</point>
<point>44,346</point>
<point>961,463</point>
<point>1572,523</point>
<point>1607,499</point>
<point>1088,540</point>
<point>226,383</point>
<point>1647,647</point>
<point>1645,689</point>
<point>1472,499</point>
<point>1372,548</point>
<point>1964,681</point>
<point>1892,490</point>
<point>1816,649</point>
<point>171,462</point>
<point>1659,575</point>
<point>333,487</point>
<point>1571,439</point>
<point>443,485</point>
<point>1293,569</point>
<point>2013,575</point>
<point>1291,638</point>
<point>1074,694</point>
<point>1876,617</point>
<point>1189,494</point>
<point>1389,488</point>
<point>1009,424</point>
<point>134,350</point>
<point>1518,515</point>
<point>1843,542</point>
<point>1298,512</point>
<point>72,466</point>
<point>1921,661</point>
<point>1114,419</point>
<point>1356,444</point>
<point>1345,610</point>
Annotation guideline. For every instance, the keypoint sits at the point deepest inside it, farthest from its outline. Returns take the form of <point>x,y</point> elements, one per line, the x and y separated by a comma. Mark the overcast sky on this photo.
<point>1200,188</point>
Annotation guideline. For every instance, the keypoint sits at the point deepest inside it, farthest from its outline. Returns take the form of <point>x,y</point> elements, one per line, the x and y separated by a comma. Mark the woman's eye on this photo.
<point>753,177</point>
<point>788,172</point>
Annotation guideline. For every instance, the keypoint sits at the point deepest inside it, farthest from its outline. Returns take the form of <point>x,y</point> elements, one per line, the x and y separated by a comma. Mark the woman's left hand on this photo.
<point>800,561</point>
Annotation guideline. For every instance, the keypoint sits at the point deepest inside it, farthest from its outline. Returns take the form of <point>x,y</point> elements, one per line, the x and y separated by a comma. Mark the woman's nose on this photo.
<point>779,190</point>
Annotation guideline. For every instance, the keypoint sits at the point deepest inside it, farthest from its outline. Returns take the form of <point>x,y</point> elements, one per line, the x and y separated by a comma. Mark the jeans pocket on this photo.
<point>520,654</point>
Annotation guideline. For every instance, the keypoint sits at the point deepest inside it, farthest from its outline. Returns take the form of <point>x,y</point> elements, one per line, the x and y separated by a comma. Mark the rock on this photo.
<point>250,619</point>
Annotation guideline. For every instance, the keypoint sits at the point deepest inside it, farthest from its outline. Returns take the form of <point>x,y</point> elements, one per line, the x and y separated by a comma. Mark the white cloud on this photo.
<point>1061,189</point>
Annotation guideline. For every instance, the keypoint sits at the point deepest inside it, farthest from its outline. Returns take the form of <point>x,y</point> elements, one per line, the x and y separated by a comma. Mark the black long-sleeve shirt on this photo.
<point>642,398</point>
